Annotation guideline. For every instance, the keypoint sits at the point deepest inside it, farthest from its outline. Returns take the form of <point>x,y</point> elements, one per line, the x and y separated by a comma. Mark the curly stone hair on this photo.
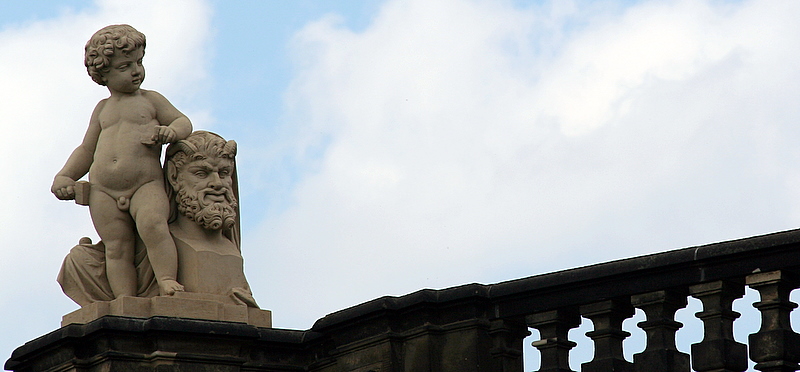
<point>200,145</point>
<point>107,41</point>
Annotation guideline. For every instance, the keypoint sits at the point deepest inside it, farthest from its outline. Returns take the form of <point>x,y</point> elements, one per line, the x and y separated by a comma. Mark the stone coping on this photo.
<point>186,305</point>
<point>613,278</point>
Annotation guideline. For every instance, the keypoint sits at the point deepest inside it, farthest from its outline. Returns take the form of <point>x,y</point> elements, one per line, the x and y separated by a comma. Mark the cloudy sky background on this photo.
<point>390,146</point>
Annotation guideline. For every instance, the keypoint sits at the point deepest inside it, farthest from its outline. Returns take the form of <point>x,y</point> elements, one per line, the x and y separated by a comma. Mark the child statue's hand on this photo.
<point>63,187</point>
<point>165,134</point>
<point>162,135</point>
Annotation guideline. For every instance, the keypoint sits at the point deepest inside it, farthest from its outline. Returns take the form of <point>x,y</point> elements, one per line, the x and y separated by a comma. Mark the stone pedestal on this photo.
<point>165,344</point>
<point>201,306</point>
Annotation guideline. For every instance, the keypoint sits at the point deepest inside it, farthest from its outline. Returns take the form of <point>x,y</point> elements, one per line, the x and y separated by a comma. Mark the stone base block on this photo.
<point>185,305</point>
<point>164,344</point>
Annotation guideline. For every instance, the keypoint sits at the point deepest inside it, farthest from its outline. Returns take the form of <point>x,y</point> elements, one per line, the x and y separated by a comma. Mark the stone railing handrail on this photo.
<point>693,265</point>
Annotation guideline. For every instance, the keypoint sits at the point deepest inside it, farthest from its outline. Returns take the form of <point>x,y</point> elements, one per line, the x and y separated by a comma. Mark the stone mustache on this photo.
<point>202,190</point>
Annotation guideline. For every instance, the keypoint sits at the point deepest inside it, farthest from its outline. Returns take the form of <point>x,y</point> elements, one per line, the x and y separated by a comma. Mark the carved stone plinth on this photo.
<point>166,344</point>
<point>182,305</point>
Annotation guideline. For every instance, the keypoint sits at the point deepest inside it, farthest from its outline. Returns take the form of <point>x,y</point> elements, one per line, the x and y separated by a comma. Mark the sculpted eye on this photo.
<point>224,172</point>
<point>201,174</point>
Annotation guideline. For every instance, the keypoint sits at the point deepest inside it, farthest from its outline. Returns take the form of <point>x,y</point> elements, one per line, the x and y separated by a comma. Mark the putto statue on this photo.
<point>121,152</point>
<point>169,235</point>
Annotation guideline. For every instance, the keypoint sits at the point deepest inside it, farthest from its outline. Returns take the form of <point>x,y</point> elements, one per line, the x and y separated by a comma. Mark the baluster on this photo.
<point>718,352</point>
<point>607,317</point>
<point>774,347</point>
<point>660,354</point>
<point>555,345</point>
<point>507,344</point>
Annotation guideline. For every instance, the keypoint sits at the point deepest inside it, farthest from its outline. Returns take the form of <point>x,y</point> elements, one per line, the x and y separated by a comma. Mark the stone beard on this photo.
<point>211,216</point>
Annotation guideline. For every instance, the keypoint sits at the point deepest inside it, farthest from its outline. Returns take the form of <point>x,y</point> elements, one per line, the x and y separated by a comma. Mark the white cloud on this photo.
<point>45,102</point>
<point>449,142</point>
<point>473,141</point>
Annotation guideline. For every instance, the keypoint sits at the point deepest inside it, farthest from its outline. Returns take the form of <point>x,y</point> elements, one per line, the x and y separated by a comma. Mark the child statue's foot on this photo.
<point>169,287</point>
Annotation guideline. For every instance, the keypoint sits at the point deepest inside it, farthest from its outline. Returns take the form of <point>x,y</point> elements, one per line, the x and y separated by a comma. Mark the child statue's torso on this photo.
<point>122,161</point>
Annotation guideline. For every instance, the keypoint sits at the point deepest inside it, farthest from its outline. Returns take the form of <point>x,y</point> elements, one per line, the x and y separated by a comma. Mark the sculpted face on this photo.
<point>204,190</point>
<point>126,72</point>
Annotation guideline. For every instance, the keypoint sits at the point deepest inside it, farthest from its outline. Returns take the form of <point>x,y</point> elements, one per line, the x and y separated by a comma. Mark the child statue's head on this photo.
<point>107,41</point>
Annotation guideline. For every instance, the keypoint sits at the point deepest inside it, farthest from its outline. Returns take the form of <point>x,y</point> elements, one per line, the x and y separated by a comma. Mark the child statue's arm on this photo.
<point>175,126</point>
<point>81,159</point>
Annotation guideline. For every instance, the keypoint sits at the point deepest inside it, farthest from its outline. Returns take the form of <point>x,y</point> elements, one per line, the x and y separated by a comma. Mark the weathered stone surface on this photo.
<point>718,351</point>
<point>164,344</point>
<point>121,151</point>
<point>163,229</point>
<point>187,305</point>
<point>204,228</point>
<point>472,327</point>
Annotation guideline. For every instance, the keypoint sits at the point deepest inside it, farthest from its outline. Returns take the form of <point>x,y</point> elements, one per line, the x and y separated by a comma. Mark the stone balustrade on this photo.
<point>479,327</point>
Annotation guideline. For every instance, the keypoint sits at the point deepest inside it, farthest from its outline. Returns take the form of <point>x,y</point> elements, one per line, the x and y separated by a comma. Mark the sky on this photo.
<point>390,146</point>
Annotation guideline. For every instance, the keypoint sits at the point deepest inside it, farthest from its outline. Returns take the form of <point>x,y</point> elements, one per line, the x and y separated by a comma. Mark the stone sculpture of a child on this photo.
<point>121,151</point>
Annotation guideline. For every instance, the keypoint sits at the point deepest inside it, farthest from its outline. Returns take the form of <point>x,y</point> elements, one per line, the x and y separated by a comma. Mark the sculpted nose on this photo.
<point>214,180</point>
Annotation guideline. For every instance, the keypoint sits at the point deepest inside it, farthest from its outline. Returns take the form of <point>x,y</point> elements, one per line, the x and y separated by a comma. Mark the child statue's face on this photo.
<point>126,72</point>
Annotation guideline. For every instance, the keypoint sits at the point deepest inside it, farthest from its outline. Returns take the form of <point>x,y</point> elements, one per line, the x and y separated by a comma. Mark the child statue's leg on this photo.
<point>115,228</point>
<point>150,211</point>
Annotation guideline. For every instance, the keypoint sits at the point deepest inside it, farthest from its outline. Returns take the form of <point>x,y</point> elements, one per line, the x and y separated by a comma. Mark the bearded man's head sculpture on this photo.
<point>201,180</point>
